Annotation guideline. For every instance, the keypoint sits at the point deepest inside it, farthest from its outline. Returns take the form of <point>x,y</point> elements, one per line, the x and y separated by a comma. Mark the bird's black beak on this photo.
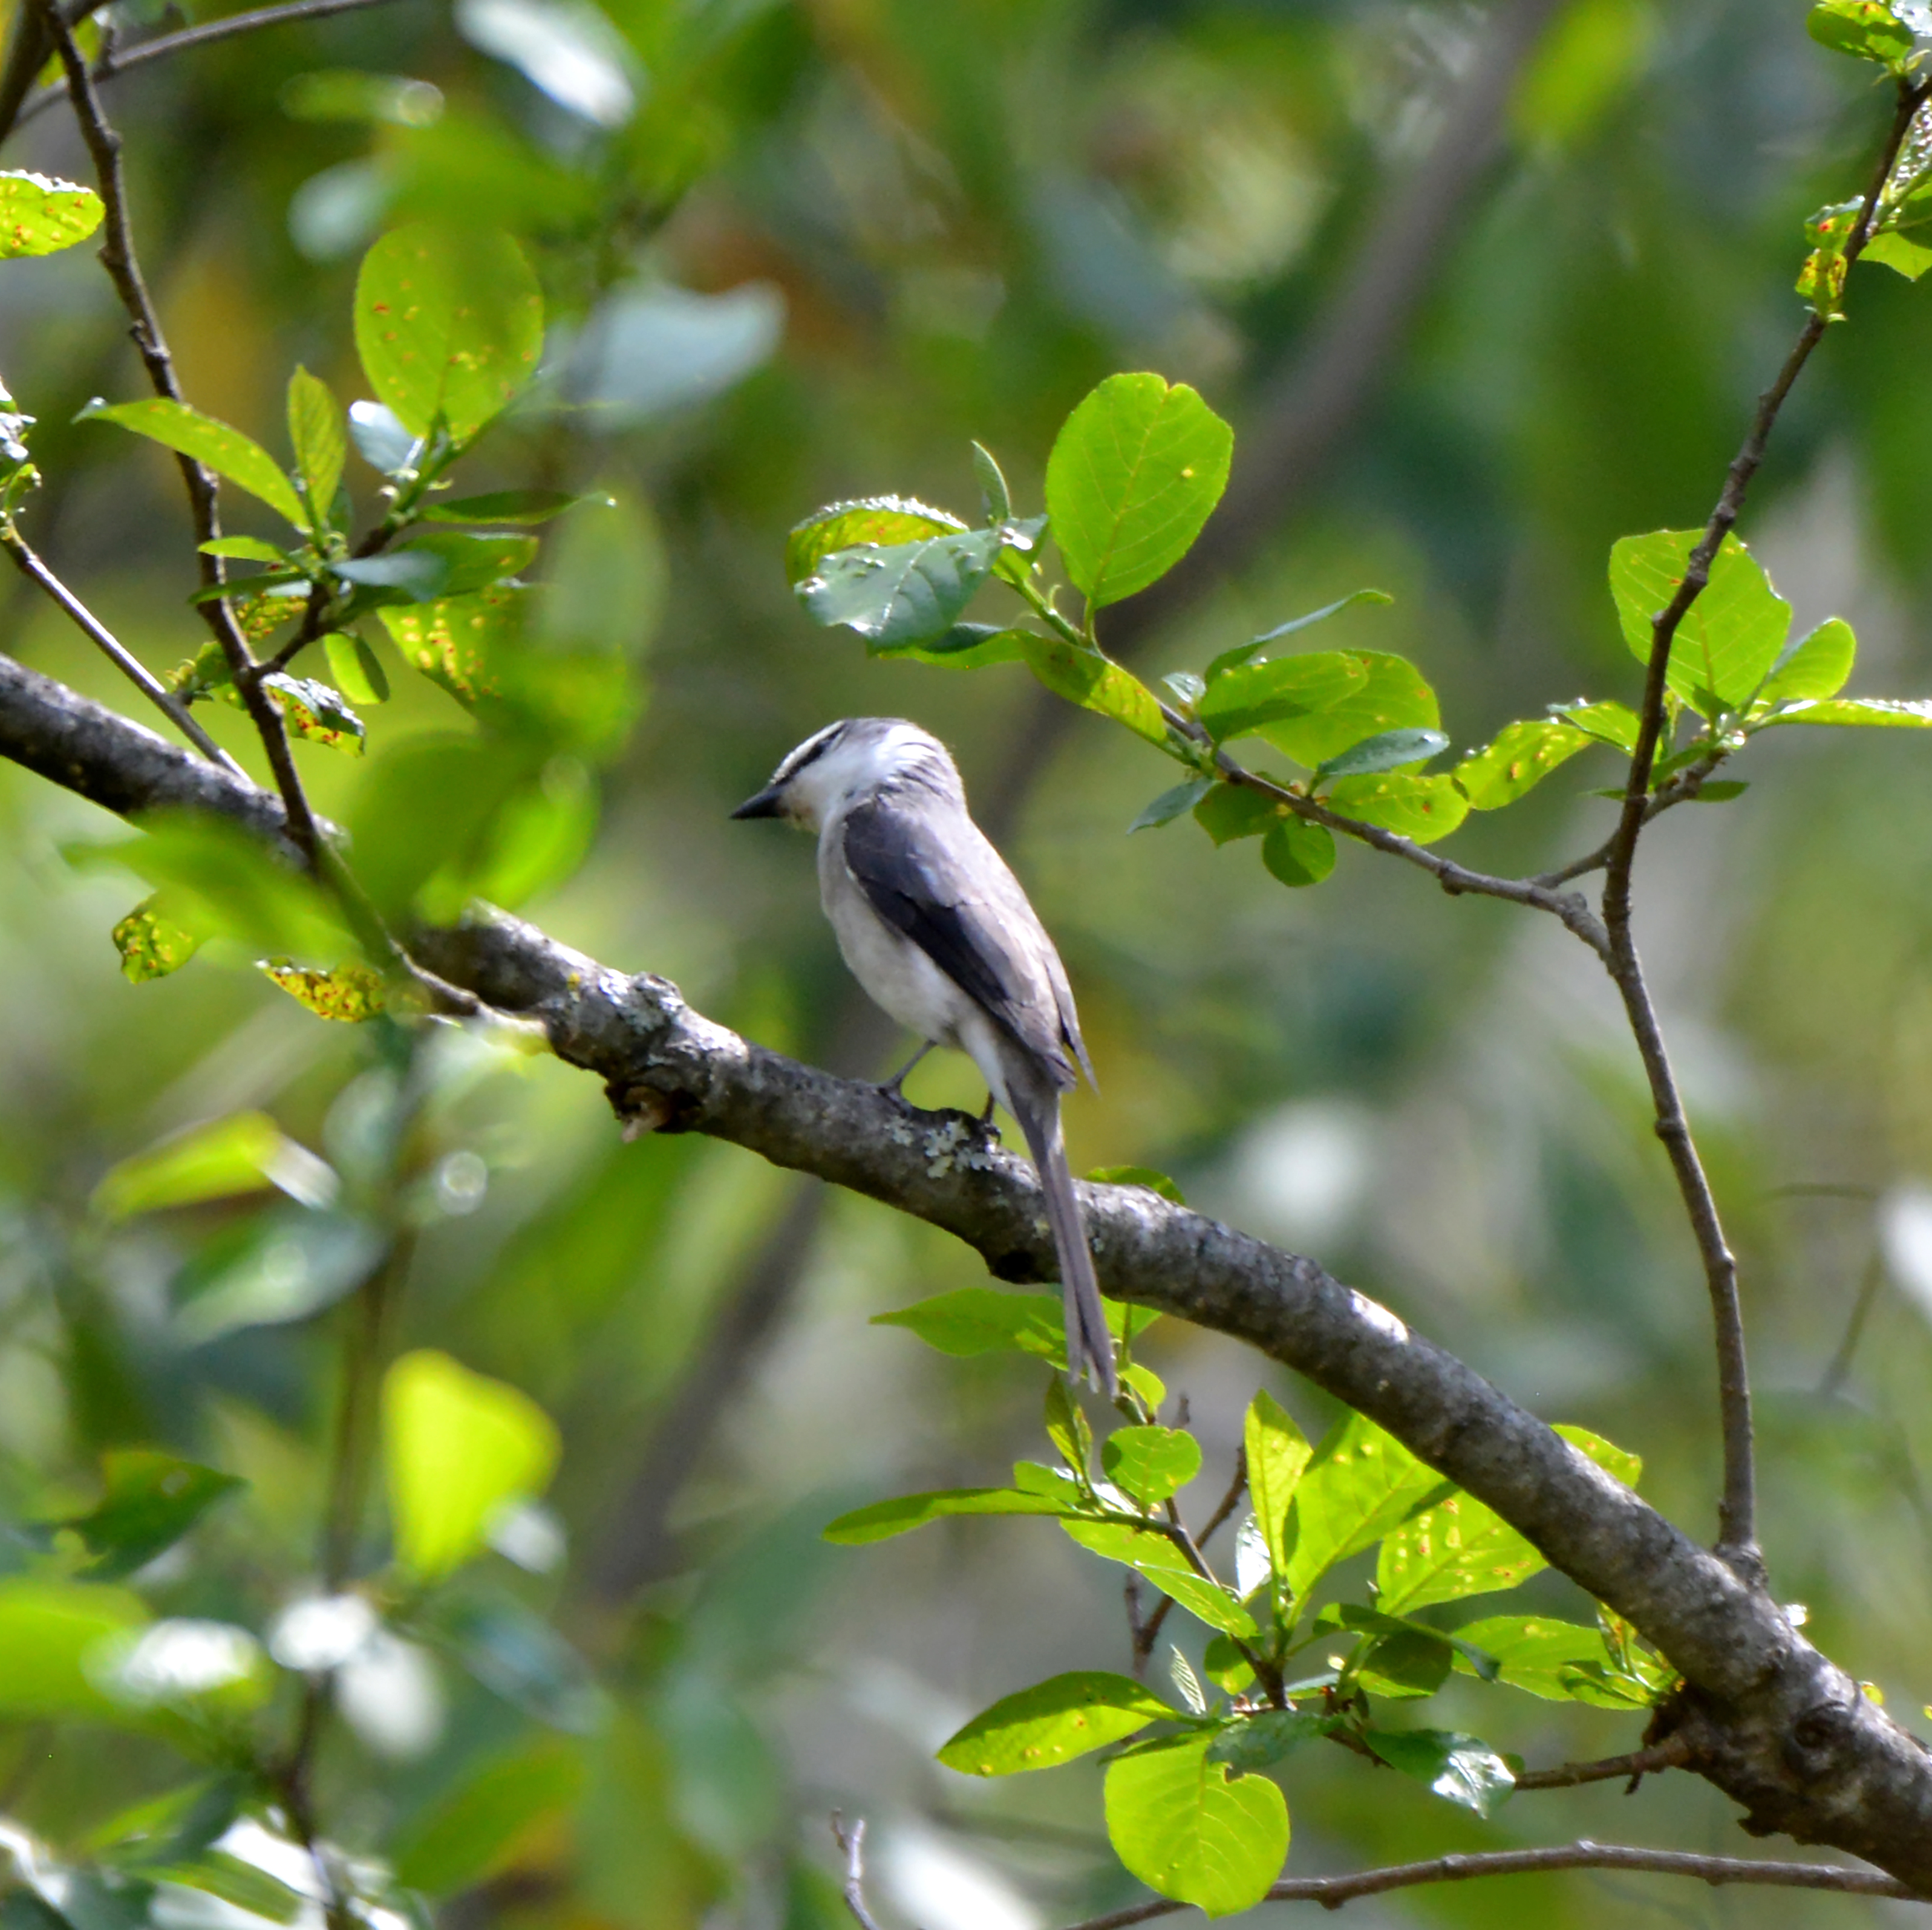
<point>765,804</point>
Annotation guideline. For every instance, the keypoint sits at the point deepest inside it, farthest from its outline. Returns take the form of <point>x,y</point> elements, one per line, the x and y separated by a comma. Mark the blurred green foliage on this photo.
<point>788,255</point>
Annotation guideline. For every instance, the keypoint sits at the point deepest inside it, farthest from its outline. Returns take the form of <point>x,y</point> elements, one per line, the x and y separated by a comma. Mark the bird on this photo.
<point>936,928</point>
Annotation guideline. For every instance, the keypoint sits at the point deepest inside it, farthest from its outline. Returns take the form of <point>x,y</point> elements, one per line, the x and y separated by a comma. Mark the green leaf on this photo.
<point>1150,1554</point>
<point>1225,1666</point>
<point>456,643</point>
<point>1089,679</point>
<point>219,879</point>
<point>977,1319</point>
<point>1424,809</point>
<point>1053,1722</point>
<point>1298,852</point>
<point>351,993</point>
<point>1612,724</point>
<point>313,710</point>
<point>1170,804</point>
<point>151,944</point>
<point>904,592</point>
<point>244,1153</point>
<point>1360,1484</point>
<point>39,216</point>
<point>1815,665</point>
<point>523,508</point>
<point>1462,1769</point>
<point>1899,253</point>
<point>459,1450</point>
<point>1387,751</point>
<point>48,1630</point>
<point>1882,713</point>
<point>1138,1176</point>
<point>317,435</point>
<point>1455,1549</point>
<point>1864,29</point>
<point>440,563</point>
<point>1243,700</point>
<point>966,646</point>
<point>1278,1455</point>
<point>1619,1462</point>
<point>1719,790</point>
<point>245,549</point>
<point>883,1520</point>
<point>996,499</point>
<point>471,1831</point>
<point>1150,1464</point>
<point>151,1499</point>
<point>1190,1831</point>
<point>874,522</point>
<point>380,439</point>
<point>1244,653</point>
<point>1067,1427</point>
<point>1259,1742</point>
<point>1408,1665</point>
<point>1134,472</point>
<point>1230,811</point>
<point>1516,760</point>
<point>226,451</point>
<point>1537,1653</point>
<point>1729,638</point>
<point>449,323</point>
<point>1393,695</point>
<point>220,1874</point>
<point>358,671</point>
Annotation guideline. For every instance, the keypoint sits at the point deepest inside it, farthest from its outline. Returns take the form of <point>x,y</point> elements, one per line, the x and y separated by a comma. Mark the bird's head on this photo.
<point>849,760</point>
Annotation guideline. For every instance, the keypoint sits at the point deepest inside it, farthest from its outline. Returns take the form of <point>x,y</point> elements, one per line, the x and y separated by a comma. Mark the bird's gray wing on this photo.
<point>951,894</point>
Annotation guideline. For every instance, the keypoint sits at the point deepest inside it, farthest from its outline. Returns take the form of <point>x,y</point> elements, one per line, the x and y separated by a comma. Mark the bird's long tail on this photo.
<point>1089,1345</point>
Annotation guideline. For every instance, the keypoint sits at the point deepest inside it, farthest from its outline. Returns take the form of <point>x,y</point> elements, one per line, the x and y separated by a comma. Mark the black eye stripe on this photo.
<point>808,753</point>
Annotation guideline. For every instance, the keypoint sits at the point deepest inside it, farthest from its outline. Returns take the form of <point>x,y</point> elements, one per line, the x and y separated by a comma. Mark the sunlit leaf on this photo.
<point>472,1829</point>
<point>1243,701</point>
<point>350,992</point>
<point>1462,1769</point>
<point>1386,750</point>
<point>1537,1653</point>
<point>1137,1175</point>
<point>1457,1547</point>
<point>965,646</point>
<point>449,323</point>
<point>151,944</point>
<point>246,550</point>
<point>1150,1464</point>
<point>1134,472</point>
<point>978,1320</point>
<point>1053,1722</point>
<point>39,216</point>
<point>1424,809</point>
<point>247,1152</point>
<point>1152,1554</point>
<point>458,1449</point>
<point>380,438</point>
<point>1298,852</point>
<point>1866,29</point>
<point>1089,679</point>
<point>358,671</point>
<point>318,436</point>
<point>1190,1830</point>
<point>1278,1455</point>
<point>1393,695</point>
<point>226,451</point>
<point>1813,666</point>
<point>314,711</point>
<point>1612,724</point>
<point>1516,759</point>
<point>1244,653</point>
<point>902,593</point>
<point>243,1884</point>
<point>1067,1427</point>
<point>1360,1484</point>
<point>48,1632</point>
<point>1880,713</point>
<point>1616,1461</point>
<point>880,522</point>
<point>151,1499</point>
<point>453,643</point>
<point>883,1519</point>
<point>1728,639</point>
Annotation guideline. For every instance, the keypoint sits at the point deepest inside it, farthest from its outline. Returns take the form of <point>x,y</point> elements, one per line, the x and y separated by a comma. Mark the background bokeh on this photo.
<point>799,250</point>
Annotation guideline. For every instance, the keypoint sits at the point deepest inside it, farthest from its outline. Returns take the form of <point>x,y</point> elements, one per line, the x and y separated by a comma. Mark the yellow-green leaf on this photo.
<point>39,216</point>
<point>881,521</point>
<point>151,944</point>
<point>247,1152</point>
<point>1517,759</point>
<point>1053,1722</point>
<point>351,992</point>
<point>224,450</point>
<point>317,435</point>
<point>1190,1830</point>
<point>1089,679</point>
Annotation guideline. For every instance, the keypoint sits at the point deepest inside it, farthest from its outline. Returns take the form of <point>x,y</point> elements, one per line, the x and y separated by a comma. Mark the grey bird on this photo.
<point>938,931</point>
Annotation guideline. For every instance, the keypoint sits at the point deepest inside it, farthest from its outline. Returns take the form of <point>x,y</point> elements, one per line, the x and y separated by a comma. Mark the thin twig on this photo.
<point>117,60</point>
<point>1331,1893</point>
<point>1737,1515</point>
<point>1836,1375</point>
<point>35,570</point>
<point>1145,1633</point>
<point>1671,1754</point>
<point>852,1844</point>
<point>123,265</point>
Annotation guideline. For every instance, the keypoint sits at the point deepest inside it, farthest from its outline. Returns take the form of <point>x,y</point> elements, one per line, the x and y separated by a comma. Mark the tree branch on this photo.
<point>1763,1715</point>
<point>117,60</point>
<point>124,269</point>
<point>851,1844</point>
<point>1672,1753</point>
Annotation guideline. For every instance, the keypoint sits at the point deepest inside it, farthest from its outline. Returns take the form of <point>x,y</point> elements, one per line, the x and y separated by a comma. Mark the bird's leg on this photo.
<point>892,1087</point>
<point>986,1117</point>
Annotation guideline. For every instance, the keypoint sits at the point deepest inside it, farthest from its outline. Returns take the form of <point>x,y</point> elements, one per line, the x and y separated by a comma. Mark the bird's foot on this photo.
<point>894,1088</point>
